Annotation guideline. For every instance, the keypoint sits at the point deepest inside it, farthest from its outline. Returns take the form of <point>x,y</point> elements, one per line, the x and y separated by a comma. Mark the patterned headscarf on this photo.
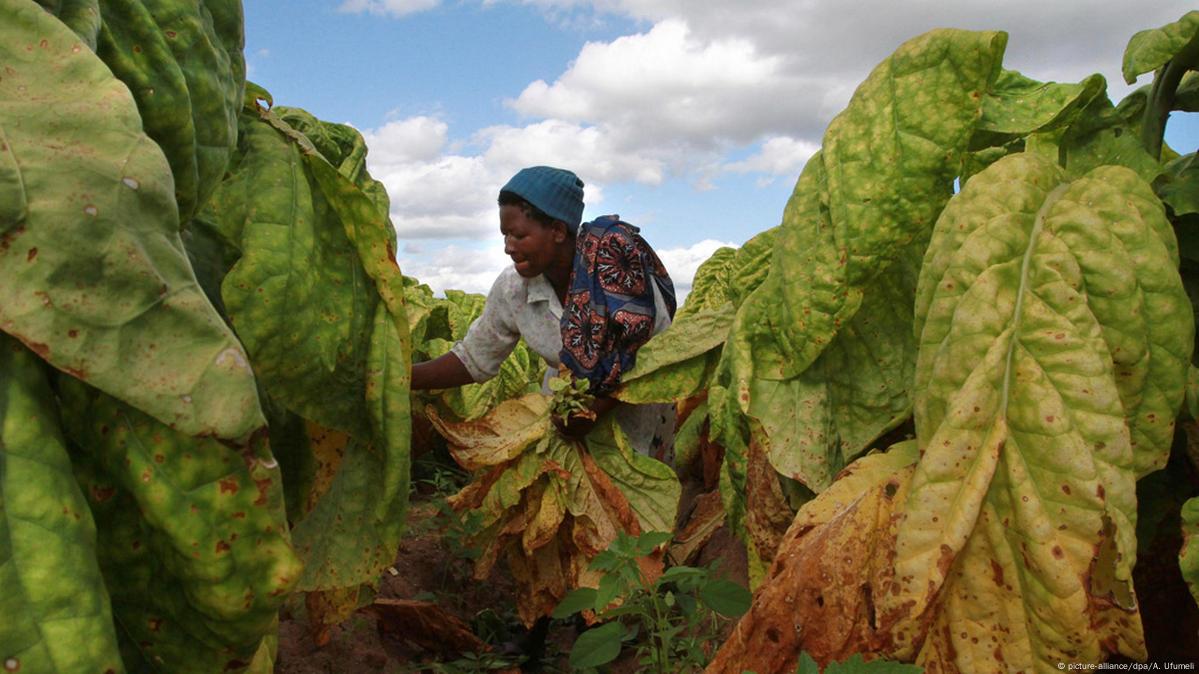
<point>609,310</point>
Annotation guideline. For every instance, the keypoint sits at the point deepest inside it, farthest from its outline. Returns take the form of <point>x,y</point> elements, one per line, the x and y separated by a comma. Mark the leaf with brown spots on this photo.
<point>1036,360</point>
<point>822,591</point>
<point>204,528</point>
<point>57,613</point>
<point>144,331</point>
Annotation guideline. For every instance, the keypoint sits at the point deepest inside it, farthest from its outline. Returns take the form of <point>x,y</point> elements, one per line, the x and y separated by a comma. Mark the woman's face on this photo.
<point>533,247</point>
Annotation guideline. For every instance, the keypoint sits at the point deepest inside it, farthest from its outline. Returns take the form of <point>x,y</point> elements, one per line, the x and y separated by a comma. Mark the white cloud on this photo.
<point>457,267</point>
<point>413,139</point>
<point>779,155</point>
<point>682,262</point>
<point>698,81</point>
<point>444,197</point>
<point>559,143</point>
<point>1064,40</point>
<point>667,89</point>
<point>394,8</point>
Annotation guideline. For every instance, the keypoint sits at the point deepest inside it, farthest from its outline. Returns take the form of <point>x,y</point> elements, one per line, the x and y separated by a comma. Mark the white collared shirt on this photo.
<point>518,307</point>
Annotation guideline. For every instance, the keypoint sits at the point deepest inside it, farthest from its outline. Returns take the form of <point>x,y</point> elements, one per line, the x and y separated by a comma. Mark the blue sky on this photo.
<point>690,118</point>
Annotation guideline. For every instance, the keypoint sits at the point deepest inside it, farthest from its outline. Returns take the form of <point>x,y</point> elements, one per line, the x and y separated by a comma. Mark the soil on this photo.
<point>426,568</point>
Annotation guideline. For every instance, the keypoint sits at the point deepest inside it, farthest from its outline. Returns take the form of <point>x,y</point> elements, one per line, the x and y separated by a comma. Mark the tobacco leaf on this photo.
<point>549,505</point>
<point>58,615</point>
<point>183,63</point>
<point>192,537</point>
<point>1188,556</point>
<point>93,275</point>
<point>1052,322</point>
<point>832,565</point>
<point>1151,49</point>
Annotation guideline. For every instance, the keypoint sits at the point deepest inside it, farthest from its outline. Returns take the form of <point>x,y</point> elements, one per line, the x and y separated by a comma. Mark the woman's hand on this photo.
<point>577,426</point>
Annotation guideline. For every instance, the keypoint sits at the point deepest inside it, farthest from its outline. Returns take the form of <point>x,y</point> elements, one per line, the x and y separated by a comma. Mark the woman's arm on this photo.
<point>445,371</point>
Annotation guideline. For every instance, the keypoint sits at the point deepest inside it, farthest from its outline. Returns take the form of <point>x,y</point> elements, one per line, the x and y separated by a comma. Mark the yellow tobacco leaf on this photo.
<point>498,436</point>
<point>832,566</point>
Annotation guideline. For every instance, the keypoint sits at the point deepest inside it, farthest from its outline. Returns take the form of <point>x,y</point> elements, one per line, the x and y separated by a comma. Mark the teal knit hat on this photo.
<point>556,192</point>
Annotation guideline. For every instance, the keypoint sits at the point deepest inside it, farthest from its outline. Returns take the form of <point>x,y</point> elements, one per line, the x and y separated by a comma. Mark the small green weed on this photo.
<point>672,622</point>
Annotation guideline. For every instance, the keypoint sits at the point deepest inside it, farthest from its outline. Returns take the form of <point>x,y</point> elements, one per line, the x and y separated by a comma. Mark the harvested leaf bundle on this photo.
<point>550,504</point>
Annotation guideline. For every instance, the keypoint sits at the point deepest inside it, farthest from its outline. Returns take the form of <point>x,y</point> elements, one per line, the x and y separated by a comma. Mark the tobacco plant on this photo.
<point>1034,326</point>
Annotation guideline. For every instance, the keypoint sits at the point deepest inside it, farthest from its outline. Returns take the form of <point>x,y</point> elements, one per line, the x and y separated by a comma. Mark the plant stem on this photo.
<point>1161,96</point>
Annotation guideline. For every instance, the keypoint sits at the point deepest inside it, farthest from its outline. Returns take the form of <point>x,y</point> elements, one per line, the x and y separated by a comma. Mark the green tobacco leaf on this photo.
<point>597,646</point>
<point>299,297</point>
<point>319,302</point>
<point>860,210</point>
<point>689,436</point>
<point>678,362</point>
<point>342,541</point>
<point>193,541</point>
<point>650,486</point>
<point>93,275</point>
<point>855,391</point>
<point>1018,105</point>
<point>1107,135</point>
<point>710,287</point>
<point>1051,321</point>
<point>751,265</point>
<point>1151,49</point>
<point>1186,97</point>
<point>183,63</point>
<point>1188,557</point>
<point>386,374</point>
<point>885,170</point>
<point>58,617</point>
<point>81,16</point>
<point>1178,186</point>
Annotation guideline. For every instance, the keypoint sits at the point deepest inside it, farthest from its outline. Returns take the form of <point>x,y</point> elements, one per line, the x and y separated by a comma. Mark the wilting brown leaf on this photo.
<point>553,504</point>
<point>425,625</point>
<point>705,520</point>
<point>767,513</point>
<point>832,564</point>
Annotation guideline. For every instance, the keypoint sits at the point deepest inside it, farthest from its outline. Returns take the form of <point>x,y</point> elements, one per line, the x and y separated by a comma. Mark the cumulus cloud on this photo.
<point>446,197</point>
<point>696,82</point>
<point>666,87</point>
<point>419,138</point>
<point>438,193</point>
<point>444,267</point>
<point>1064,40</point>
<point>777,156</point>
<point>394,8</point>
<point>561,143</point>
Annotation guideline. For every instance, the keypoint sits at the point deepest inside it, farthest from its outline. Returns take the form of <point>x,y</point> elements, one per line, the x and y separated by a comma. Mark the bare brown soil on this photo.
<point>426,568</point>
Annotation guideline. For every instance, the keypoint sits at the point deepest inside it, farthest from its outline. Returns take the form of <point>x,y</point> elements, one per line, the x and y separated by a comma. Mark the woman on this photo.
<point>586,295</point>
